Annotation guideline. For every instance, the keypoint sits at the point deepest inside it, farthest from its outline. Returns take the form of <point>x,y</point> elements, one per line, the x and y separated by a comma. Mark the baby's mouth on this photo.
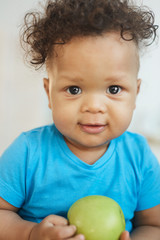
<point>92,128</point>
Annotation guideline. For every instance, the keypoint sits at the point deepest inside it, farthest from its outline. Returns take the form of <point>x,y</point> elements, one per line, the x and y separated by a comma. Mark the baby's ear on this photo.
<point>138,89</point>
<point>46,87</point>
<point>138,85</point>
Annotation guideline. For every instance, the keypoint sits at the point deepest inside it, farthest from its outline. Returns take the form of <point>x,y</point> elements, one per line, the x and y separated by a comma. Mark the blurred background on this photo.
<point>23,103</point>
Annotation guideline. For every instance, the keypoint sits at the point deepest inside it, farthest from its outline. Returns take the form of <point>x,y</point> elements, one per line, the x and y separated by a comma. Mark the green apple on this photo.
<point>97,217</point>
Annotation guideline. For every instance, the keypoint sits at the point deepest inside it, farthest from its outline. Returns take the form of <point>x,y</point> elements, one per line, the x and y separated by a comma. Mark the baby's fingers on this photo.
<point>55,220</point>
<point>62,232</point>
<point>125,236</point>
<point>77,237</point>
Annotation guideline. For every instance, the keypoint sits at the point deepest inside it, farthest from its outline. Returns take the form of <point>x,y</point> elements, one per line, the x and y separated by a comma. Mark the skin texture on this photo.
<point>103,71</point>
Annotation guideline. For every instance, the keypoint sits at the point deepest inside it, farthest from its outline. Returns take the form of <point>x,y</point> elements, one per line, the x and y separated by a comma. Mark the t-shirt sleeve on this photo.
<point>149,194</point>
<point>12,172</point>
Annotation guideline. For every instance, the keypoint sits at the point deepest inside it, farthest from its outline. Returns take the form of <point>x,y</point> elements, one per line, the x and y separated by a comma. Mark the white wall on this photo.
<point>147,114</point>
<point>23,104</point>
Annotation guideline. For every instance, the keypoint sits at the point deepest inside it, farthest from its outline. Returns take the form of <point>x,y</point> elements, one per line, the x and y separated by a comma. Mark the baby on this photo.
<point>91,52</point>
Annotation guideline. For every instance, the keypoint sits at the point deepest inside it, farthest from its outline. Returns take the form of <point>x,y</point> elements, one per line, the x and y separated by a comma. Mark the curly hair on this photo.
<point>64,19</point>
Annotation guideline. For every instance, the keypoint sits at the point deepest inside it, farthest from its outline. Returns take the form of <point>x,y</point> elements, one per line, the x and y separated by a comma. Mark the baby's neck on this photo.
<point>88,155</point>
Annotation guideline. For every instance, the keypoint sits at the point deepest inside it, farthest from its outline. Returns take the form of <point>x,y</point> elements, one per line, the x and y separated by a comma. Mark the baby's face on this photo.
<point>92,89</point>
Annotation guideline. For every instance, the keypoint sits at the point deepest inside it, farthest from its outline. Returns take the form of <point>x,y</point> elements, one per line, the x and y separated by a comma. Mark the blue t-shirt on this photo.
<point>41,176</point>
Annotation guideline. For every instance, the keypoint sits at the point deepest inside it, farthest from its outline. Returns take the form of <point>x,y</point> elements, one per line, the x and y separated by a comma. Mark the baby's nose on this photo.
<point>94,104</point>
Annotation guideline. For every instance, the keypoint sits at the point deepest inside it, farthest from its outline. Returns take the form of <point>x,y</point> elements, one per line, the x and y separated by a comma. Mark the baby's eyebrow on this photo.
<point>117,78</point>
<point>113,78</point>
<point>72,78</point>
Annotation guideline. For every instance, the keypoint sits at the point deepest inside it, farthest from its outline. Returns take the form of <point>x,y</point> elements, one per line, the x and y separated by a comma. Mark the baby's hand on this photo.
<point>54,228</point>
<point>125,236</point>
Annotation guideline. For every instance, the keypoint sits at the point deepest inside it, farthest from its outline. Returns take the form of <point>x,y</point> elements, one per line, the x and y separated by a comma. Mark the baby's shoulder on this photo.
<point>133,138</point>
<point>43,132</point>
<point>136,148</point>
<point>39,137</point>
<point>133,144</point>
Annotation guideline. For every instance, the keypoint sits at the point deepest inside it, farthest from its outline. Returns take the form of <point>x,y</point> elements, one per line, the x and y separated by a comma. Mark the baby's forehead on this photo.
<point>95,45</point>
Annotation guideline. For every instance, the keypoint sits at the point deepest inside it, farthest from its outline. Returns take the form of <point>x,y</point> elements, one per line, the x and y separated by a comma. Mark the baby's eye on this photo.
<point>74,90</point>
<point>114,89</point>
